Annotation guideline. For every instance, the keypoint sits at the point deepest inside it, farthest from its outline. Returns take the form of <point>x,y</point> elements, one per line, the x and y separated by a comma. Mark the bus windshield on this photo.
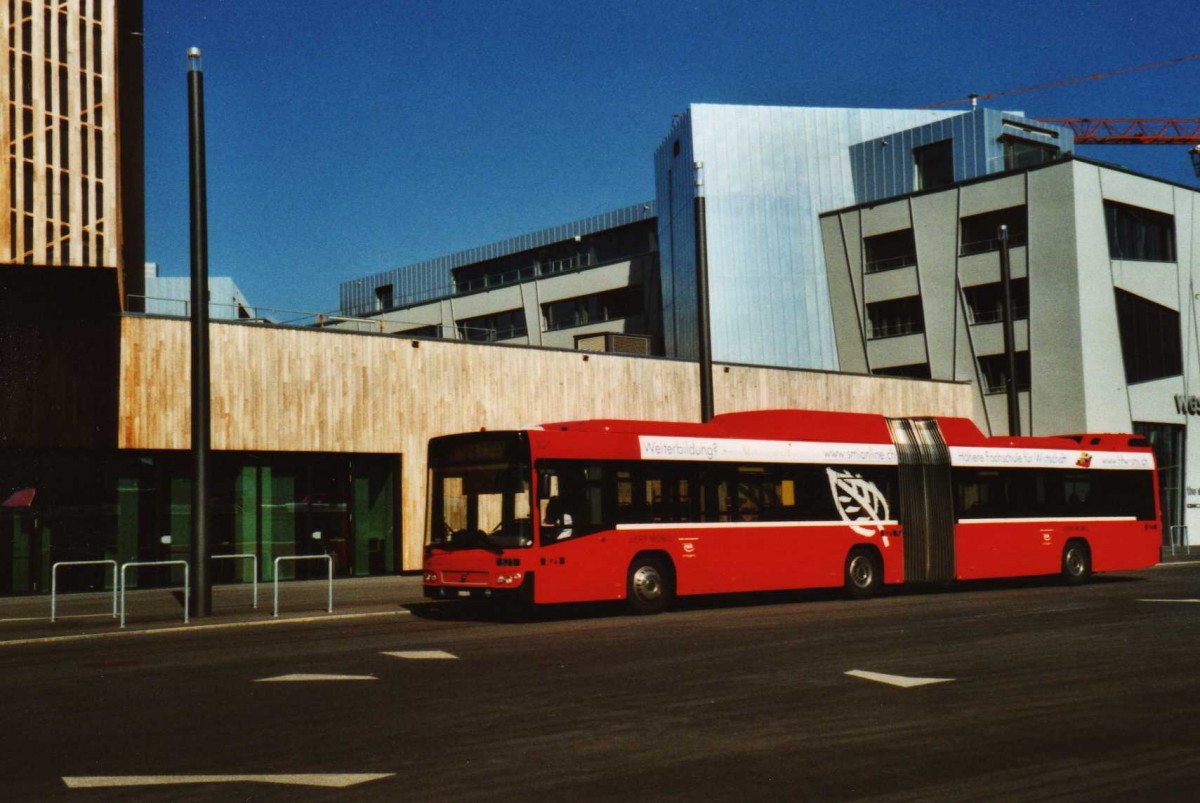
<point>480,492</point>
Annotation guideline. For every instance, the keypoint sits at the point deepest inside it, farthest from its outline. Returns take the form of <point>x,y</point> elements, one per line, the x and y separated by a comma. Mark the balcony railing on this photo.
<point>983,246</point>
<point>555,266</point>
<point>1020,312</point>
<point>890,263</point>
<point>877,331</point>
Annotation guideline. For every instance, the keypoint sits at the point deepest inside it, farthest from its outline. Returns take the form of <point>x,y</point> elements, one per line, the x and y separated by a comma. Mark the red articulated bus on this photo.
<point>777,499</point>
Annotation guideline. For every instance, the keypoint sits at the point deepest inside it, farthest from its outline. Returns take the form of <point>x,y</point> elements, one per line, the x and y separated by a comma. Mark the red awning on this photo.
<point>20,499</point>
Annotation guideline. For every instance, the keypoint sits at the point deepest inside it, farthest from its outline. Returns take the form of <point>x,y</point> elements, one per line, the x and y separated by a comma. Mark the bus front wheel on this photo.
<point>648,586</point>
<point>1076,563</point>
<point>864,573</point>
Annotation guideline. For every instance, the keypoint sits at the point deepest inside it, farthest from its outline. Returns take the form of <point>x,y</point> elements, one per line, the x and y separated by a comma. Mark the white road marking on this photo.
<point>331,780</point>
<point>424,655</point>
<point>896,680</point>
<point>1170,600</point>
<point>193,628</point>
<point>300,678</point>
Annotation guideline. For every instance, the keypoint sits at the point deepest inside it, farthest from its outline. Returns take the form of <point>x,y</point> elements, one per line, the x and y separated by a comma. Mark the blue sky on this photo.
<point>349,137</point>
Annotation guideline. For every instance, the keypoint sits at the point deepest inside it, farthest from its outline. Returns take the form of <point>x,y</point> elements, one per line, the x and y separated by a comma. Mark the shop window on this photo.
<point>934,165</point>
<point>900,316</point>
<point>1167,441</point>
<point>1150,342</point>
<point>896,249</point>
<point>993,370</point>
<point>985,302</point>
<point>981,233</point>
<point>1136,233</point>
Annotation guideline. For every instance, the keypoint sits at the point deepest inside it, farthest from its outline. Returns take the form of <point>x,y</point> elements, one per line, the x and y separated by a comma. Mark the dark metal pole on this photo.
<point>201,596</point>
<point>1010,337</point>
<point>704,332</point>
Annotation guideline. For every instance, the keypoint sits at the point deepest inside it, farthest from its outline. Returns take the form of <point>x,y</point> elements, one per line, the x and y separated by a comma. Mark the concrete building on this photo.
<point>589,281</point>
<point>171,295</point>
<point>767,173</point>
<point>1105,272</point>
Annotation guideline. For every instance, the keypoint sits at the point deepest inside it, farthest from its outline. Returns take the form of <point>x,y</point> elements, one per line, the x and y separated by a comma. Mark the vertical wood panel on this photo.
<point>38,101</point>
<point>74,127</point>
<point>7,141</point>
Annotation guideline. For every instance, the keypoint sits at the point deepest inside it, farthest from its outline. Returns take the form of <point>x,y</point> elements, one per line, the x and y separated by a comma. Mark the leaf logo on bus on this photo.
<point>858,501</point>
<point>1084,461</point>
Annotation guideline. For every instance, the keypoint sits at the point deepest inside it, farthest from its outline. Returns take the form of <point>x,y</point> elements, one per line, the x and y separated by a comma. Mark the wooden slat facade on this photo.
<point>59,145</point>
<point>295,390</point>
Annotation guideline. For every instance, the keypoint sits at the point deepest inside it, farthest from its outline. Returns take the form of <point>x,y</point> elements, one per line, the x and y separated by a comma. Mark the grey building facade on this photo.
<point>592,278</point>
<point>1104,271</point>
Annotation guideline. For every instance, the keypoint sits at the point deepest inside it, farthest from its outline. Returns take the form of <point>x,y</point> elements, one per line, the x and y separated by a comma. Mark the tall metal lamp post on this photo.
<point>201,596</point>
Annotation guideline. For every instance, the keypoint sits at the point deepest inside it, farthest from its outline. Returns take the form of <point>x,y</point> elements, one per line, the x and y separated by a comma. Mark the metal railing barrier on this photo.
<point>54,581</point>
<point>243,556</point>
<point>1179,538</point>
<point>329,558</point>
<point>186,584</point>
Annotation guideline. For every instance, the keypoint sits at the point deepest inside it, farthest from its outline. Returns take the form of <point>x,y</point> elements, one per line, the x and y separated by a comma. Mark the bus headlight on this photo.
<point>431,577</point>
<point>509,579</point>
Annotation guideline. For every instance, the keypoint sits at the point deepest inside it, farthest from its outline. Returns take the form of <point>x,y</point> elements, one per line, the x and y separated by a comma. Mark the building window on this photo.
<point>1136,233</point>
<point>934,165</point>
<point>1020,153</point>
<point>916,370</point>
<point>625,302</point>
<point>1167,441</point>
<point>1150,342</point>
<point>432,330</point>
<point>981,233</point>
<point>985,302</point>
<point>993,369</point>
<point>383,297</point>
<point>497,326</point>
<point>896,249</point>
<point>900,316</point>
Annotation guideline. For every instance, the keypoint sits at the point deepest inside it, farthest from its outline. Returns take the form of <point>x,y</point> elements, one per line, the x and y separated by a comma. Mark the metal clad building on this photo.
<point>767,173</point>
<point>981,143</point>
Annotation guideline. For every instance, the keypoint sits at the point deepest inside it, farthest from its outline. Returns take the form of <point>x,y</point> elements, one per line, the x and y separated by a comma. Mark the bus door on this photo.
<point>925,500</point>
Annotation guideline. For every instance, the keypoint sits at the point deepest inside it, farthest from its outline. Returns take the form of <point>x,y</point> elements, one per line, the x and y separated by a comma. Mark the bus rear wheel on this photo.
<point>864,573</point>
<point>1076,563</point>
<point>648,586</point>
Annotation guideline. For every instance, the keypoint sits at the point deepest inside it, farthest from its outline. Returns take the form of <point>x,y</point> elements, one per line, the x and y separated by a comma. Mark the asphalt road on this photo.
<point>1047,693</point>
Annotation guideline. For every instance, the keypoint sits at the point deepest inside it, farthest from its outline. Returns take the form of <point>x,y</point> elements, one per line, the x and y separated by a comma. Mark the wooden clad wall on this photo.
<point>276,389</point>
<point>61,152</point>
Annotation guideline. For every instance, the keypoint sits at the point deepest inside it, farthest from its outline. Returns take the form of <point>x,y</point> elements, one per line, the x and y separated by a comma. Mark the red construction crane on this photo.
<point>1131,131</point>
<point>1115,131</point>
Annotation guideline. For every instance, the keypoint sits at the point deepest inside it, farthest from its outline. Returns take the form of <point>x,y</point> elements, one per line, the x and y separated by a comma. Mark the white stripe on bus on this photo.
<point>738,450</point>
<point>1053,520</point>
<point>725,525</point>
<point>1016,457</point>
